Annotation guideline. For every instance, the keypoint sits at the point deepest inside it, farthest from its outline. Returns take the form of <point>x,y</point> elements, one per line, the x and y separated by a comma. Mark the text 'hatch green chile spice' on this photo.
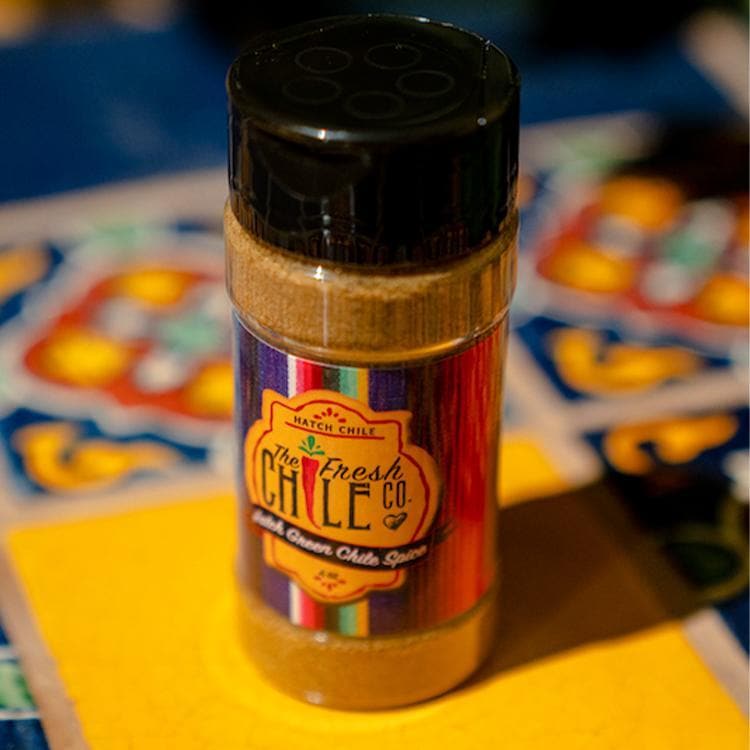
<point>371,250</point>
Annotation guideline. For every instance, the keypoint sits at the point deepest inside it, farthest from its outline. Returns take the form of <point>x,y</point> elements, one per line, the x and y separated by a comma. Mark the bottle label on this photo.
<point>368,495</point>
<point>344,500</point>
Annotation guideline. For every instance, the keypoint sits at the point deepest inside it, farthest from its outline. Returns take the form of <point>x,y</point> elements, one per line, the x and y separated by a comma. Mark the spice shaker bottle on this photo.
<point>371,252</point>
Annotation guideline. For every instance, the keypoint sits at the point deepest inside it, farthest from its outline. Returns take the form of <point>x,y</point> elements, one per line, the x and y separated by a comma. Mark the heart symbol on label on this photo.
<point>392,521</point>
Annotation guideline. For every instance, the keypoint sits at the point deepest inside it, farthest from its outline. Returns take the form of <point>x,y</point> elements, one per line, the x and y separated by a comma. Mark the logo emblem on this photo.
<point>343,500</point>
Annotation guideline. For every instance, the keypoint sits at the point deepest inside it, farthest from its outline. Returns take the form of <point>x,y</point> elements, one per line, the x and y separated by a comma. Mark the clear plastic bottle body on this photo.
<point>444,328</point>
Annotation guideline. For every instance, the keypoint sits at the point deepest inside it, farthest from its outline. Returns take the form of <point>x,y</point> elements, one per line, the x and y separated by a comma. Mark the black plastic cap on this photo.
<point>373,140</point>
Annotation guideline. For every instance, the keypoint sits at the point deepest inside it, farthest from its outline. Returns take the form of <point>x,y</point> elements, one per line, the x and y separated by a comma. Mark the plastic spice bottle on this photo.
<point>371,255</point>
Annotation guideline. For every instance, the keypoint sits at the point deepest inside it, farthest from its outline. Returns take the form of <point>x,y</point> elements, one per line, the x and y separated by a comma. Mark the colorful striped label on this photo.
<point>368,494</point>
